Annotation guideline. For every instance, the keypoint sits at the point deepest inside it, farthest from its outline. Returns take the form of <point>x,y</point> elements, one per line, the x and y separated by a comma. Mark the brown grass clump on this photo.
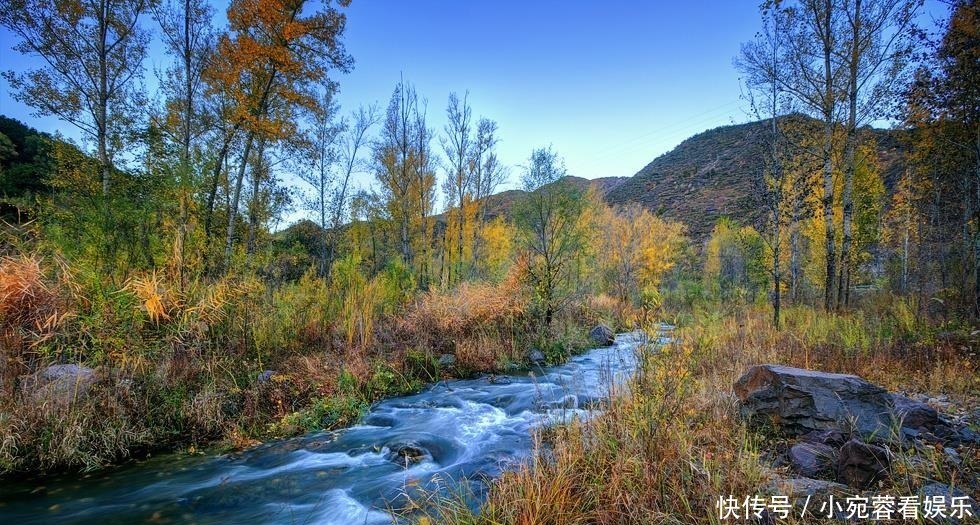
<point>26,301</point>
<point>477,322</point>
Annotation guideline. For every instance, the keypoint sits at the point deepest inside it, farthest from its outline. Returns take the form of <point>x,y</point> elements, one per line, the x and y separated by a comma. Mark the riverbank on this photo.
<point>665,450</point>
<point>454,436</point>
<point>93,377</point>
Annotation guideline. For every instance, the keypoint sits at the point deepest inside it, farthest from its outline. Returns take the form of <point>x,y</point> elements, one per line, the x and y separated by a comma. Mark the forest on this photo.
<point>200,272</point>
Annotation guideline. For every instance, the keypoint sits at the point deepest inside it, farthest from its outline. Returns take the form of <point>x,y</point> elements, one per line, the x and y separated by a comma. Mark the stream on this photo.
<point>452,438</point>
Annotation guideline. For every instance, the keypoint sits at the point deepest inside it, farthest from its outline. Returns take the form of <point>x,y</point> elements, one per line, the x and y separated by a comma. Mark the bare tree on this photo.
<point>92,53</point>
<point>763,62</point>
<point>353,139</point>
<point>457,145</point>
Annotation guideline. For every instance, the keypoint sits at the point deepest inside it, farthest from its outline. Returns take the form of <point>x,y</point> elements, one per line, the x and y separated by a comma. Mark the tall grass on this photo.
<point>178,361</point>
<point>672,442</point>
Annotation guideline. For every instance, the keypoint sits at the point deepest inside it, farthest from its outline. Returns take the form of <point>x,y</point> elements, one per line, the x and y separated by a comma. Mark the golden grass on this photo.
<point>475,321</point>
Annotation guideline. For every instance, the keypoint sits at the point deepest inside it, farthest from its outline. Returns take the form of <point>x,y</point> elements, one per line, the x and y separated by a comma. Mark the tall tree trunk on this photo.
<point>850,147</point>
<point>219,166</point>
<point>233,205</point>
<point>258,172</point>
<point>828,158</point>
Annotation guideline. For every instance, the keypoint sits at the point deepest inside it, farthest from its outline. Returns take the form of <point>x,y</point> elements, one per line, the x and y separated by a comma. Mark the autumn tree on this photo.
<point>457,145</point>
<point>764,62</point>
<point>812,35</point>
<point>548,218</point>
<point>404,168</point>
<point>275,52</point>
<point>956,111</point>
<point>875,46</point>
<point>637,248</point>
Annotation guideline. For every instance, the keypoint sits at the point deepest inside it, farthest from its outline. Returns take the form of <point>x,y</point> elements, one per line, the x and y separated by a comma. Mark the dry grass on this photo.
<point>476,322</point>
<point>666,448</point>
<point>29,306</point>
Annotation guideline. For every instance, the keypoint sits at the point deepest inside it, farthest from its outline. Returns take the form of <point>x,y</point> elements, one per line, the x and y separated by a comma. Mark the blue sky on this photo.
<point>610,85</point>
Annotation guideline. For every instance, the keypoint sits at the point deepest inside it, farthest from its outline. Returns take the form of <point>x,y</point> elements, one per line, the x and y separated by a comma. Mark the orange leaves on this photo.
<point>274,51</point>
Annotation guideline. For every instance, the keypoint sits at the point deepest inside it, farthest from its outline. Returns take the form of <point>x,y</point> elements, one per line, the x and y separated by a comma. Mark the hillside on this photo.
<point>707,176</point>
<point>712,174</point>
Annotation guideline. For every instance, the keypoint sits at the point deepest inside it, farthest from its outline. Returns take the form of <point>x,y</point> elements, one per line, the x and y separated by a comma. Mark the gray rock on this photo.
<point>536,356</point>
<point>60,384</point>
<point>914,414</point>
<point>832,437</point>
<point>602,335</point>
<point>406,454</point>
<point>953,456</point>
<point>967,435</point>
<point>801,401</point>
<point>266,375</point>
<point>860,464</point>
<point>944,492</point>
<point>806,492</point>
<point>447,360</point>
<point>813,459</point>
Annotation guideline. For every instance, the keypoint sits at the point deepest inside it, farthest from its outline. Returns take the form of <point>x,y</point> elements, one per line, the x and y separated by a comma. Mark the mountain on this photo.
<point>714,173</point>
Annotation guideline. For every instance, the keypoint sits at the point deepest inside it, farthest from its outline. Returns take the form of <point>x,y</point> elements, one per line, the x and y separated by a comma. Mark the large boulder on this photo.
<point>800,401</point>
<point>602,335</point>
<point>60,384</point>
<point>860,464</point>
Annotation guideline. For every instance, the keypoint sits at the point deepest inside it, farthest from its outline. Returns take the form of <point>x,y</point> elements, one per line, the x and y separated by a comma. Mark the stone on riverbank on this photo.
<point>602,335</point>
<point>60,384</point>
<point>801,401</point>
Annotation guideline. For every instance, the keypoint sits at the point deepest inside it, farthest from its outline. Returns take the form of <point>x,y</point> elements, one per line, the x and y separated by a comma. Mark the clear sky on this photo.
<point>610,85</point>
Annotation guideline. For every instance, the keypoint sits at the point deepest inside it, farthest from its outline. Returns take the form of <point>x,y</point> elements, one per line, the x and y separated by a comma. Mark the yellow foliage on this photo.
<point>637,247</point>
<point>495,247</point>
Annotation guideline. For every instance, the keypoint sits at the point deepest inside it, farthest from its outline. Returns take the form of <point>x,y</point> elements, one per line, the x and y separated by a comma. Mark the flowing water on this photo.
<point>454,436</point>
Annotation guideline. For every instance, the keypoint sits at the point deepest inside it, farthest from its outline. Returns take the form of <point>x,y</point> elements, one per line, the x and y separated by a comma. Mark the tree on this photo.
<point>323,154</point>
<point>548,217</point>
<point>763,62</point>
<point>957,97</point>
<point>404,169</point>
<point>876,45</point>
<point>457,145</point>
<point>92,51</point>
<point>189,38</point>
<point>813,31</point>
<point>353,138</point>
<point>637,249</point>
<point>735,261</point>
<point>275,52</point>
